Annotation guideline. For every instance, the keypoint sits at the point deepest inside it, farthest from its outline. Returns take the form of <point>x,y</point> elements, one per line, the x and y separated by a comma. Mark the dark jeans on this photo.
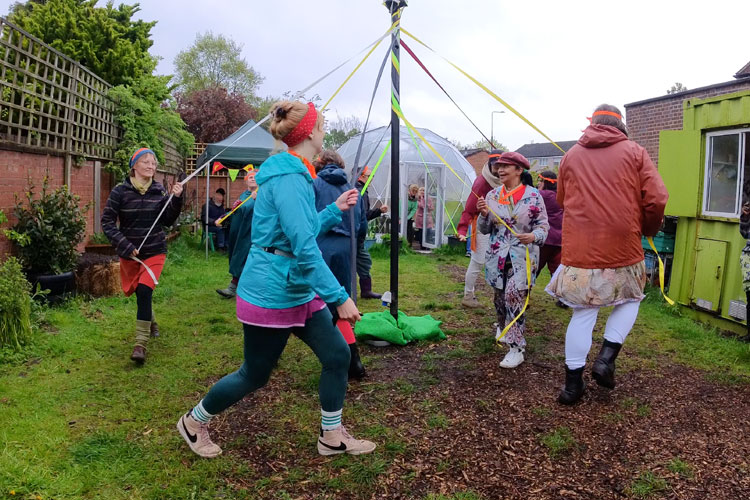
<point>263,346</point>
<point>221,239</point>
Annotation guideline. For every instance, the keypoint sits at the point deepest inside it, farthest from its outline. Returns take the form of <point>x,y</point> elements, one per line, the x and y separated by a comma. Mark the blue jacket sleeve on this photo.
<point>328,218</point>
<point>297,221</point>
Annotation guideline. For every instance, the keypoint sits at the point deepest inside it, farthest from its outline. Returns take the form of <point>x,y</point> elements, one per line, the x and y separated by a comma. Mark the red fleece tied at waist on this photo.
<point>303,128</point>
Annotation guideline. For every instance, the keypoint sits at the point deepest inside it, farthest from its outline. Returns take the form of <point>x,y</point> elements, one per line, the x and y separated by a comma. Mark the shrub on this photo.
<point>48,230</point>
<point>15,305</point>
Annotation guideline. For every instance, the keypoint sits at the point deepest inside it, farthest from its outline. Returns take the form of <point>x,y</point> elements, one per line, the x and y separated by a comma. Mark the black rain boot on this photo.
<point>574,386</point>
<point>603,370</point>
<point>356,368</point>
<point>746,338</point>
<point>365,285</point>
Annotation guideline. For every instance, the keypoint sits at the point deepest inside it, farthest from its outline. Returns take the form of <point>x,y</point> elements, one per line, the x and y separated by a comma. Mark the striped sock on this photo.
<point>200,414</point>
<point>330,420</point>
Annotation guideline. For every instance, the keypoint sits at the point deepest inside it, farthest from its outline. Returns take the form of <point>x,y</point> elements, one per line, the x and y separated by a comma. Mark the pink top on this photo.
<point>296,316</point>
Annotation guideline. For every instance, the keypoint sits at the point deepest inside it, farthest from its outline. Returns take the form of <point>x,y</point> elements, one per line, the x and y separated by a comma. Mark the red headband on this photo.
<point>608,113</point>
<point>303,128</point>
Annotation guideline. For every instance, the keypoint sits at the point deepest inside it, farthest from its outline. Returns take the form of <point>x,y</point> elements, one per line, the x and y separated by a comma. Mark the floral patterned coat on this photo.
<point>527,216</point>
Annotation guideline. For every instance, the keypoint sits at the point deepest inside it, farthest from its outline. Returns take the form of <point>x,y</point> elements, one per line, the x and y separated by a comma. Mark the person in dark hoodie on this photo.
<point>550,253</point>
<point>364,261</point>
<point>335,244</point>
<point>483,184</point>
<point>216,211</point>
<point>136,203</point>
<point>612,195</point>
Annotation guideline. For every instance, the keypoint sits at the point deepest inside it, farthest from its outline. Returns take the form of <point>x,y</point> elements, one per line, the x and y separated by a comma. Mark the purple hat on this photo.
<point>513,158</point>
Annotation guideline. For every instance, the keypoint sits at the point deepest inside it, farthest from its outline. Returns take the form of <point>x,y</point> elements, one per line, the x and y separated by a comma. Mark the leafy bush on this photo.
<point>48,230</point>
<point>145,110</point>
<point>15,305</point>
<point>98,239</point>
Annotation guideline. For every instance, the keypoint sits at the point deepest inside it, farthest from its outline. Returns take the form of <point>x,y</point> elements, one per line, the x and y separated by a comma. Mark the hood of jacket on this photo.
<point>280,164</point>
<point>491,179</point>
<point>333,174</point>
<point>601,136</point>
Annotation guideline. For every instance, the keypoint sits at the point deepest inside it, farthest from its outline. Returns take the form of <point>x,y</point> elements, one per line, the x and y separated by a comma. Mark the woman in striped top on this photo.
<point>136,203</point>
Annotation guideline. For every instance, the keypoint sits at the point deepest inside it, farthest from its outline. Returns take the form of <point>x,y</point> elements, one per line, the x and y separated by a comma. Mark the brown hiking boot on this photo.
<point>139,354</point>
<point>154,329</point>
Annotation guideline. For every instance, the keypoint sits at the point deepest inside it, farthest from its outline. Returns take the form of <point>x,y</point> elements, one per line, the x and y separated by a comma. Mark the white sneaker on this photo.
<point>513,358</point>
<point>339,441</point>
<point>196,435</point>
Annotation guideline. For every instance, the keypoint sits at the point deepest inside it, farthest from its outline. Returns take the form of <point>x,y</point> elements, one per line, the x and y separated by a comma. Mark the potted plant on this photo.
<point>48,230</point>
<point>99,243</point>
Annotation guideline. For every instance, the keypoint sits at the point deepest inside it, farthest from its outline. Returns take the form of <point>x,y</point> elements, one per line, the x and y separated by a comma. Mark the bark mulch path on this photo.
<point>449,421</point>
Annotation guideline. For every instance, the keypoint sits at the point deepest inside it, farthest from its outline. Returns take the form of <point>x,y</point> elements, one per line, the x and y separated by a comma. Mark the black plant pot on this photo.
<point>59,285</point>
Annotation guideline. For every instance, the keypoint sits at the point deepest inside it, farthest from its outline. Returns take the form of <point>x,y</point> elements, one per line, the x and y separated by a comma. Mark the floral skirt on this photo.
<point>745,268</point>
<point>577,287</point>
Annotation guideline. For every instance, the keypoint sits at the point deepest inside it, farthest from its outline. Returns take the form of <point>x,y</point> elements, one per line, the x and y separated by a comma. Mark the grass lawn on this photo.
<point>79,420</point>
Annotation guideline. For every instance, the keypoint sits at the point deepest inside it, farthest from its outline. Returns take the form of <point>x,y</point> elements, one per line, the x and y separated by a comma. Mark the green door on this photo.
<point>710,265</point>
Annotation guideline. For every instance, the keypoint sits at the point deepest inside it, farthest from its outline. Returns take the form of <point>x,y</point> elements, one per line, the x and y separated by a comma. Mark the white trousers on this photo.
<point>581,327</point>
<point>476,264</point>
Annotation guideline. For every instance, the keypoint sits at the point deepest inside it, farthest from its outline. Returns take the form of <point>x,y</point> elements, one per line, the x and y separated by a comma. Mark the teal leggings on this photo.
<point>263,346</point>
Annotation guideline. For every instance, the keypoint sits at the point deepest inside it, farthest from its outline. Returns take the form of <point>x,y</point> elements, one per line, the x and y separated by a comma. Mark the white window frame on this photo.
<point>740,173</point>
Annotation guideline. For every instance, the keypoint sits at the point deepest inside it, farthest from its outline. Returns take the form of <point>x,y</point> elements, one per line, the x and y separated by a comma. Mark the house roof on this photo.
<point>470,152</point>
<point>699,90</point>
<point>544,149</point>
<point>744,72</point>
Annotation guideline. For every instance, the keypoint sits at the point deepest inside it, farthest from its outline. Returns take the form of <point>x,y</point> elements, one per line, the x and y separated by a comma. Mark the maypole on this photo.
<point>395,7</point>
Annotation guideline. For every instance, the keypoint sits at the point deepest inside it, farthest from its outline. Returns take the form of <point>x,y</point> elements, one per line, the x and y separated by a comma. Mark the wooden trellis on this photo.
<point>49,101</point>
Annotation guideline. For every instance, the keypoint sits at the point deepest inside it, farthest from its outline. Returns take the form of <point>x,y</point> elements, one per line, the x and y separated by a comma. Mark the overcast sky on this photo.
<point>551,60</point>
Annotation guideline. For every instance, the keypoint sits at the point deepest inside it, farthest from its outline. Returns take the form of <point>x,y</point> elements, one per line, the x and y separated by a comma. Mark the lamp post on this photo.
<point>492,126</point>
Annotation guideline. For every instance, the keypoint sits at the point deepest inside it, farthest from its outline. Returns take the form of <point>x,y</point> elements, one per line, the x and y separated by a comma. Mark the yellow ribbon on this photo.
<point>478,83</point>
<point>325,106</point>
<point>661,270</point>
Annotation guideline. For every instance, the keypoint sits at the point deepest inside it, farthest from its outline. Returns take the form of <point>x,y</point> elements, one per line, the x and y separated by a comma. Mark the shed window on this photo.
<point>725,171</point>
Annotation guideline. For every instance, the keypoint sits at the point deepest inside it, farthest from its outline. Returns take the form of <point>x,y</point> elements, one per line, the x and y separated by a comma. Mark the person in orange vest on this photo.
<point>483,184</point>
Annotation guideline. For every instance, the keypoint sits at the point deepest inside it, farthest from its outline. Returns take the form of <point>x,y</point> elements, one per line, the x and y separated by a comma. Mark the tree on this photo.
<point>212,114</point>
<point>341,130</point>
<point>146,114</point>
<point>677,87</point>
<point>215,61</point>
<point>104,39</point>
<point>480,144</point>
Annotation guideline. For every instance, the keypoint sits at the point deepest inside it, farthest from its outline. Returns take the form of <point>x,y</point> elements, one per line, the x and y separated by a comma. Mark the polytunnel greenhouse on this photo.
<point>445,192</point>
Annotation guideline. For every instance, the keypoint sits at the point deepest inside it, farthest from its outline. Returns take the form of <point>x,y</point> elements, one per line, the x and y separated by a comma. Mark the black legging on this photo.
<point>143,295</point>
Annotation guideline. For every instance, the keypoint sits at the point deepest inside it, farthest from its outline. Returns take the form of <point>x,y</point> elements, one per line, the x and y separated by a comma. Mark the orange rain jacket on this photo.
<point>612,194</point>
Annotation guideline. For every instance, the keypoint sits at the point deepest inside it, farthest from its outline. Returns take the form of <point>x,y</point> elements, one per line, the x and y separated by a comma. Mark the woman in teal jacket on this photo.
<point>285,286</point>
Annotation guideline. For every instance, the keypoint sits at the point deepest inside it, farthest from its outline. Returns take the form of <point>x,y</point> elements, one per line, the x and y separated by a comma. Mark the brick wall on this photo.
<point>477,160</point>
<point>18,167</point>
<point>645,119</point>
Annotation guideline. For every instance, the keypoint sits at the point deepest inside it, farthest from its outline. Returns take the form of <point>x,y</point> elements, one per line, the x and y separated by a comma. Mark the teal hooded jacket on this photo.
<point>285,219</point>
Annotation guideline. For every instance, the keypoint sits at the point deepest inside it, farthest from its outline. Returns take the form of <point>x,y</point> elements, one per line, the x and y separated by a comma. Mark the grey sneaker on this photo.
<point>196,436</point>
<point>471,302</point>
<point>228,292</point>
<point>339,441</point>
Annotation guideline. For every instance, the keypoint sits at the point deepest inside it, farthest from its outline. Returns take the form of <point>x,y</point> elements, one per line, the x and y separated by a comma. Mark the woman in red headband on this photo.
<point>135,203</point>
<point>612,195</point>
<point>285,286</point>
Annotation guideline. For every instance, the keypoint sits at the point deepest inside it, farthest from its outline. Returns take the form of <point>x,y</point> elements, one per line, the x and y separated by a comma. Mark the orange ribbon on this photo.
<point>551,181</point>
<point>504,198</point>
